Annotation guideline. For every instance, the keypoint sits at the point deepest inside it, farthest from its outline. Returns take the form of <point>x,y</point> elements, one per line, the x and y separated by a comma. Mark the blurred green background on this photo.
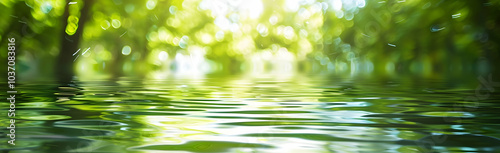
<point>193,38</point>
<point>272,75</point>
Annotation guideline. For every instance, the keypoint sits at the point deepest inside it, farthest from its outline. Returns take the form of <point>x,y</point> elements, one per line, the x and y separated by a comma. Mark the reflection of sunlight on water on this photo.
<point>178,127</point>
<point>296,114</point>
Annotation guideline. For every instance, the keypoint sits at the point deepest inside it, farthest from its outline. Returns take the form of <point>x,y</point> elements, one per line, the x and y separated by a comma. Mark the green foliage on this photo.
<point>128,37</point>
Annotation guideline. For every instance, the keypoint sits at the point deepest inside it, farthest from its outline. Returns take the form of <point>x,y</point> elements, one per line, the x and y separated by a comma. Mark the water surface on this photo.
<point>256,114</point>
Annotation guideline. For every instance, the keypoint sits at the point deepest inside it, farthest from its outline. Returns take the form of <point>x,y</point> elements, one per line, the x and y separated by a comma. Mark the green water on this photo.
<point>255,114</point>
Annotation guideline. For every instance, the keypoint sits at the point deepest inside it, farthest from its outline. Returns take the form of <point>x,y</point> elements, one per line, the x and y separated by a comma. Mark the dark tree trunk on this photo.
<point>69,44</point>
<point>19,29</point>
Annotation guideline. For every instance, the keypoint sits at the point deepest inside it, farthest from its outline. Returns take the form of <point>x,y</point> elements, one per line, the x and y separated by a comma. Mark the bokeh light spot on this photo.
<point>126,50</point>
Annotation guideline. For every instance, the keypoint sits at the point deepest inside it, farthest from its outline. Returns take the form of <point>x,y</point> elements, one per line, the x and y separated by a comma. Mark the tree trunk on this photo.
<point>69,43</point>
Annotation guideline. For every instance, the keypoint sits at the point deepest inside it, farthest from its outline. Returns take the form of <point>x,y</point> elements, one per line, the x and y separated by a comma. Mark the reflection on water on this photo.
<point>298,114</point>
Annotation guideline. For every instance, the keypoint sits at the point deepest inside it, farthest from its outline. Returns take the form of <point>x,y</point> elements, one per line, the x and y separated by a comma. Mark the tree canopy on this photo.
<point>157,38</point>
